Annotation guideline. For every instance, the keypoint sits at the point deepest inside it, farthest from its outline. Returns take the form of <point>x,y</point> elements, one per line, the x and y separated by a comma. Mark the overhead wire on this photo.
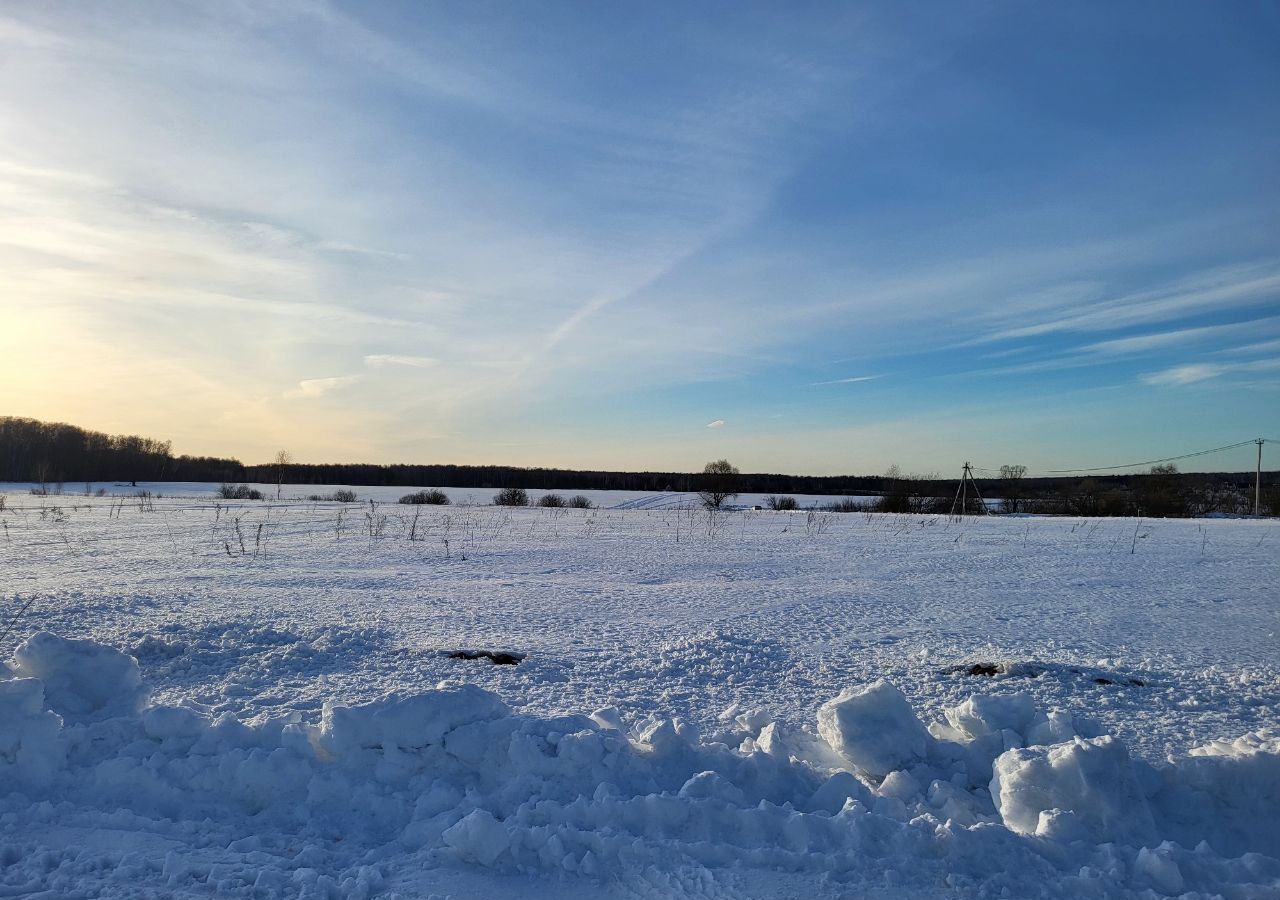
<point>995,473</point>
<point>1152,462</point>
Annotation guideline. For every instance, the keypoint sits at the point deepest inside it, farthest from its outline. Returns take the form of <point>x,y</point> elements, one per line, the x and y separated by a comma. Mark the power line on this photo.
<point>1151,462</point>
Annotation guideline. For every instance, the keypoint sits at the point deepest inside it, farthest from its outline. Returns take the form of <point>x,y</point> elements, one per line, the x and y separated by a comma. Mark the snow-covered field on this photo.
<point>203,490</point>
<point>257,699</point>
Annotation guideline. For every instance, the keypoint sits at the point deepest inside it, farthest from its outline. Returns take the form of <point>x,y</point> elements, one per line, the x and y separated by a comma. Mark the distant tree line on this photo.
<point>1161,492</point>
<point>52,453</point>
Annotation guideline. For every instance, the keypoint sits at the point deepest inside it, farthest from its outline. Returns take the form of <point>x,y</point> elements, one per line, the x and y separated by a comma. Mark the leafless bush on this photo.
<point>511,496</point>
<point>431,497</point>
<point>339,496</point>
<point>781,504</point>
<point>551,501</point>
<point>816,522</point>
<point>580,502</point>
<point>717,521</point>
<point>846,505</point>
<point>239,492</point>
<point>56,514</point>
<point>375,523</point>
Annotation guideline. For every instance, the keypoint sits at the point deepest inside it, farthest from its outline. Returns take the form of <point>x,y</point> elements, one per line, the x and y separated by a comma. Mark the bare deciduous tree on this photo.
<point>719,483</point>
<point>280,464</point>
<point>1011,487</point>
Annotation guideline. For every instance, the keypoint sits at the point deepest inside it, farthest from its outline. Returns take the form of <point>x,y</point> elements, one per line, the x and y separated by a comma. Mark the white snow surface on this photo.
<point>257,700</point>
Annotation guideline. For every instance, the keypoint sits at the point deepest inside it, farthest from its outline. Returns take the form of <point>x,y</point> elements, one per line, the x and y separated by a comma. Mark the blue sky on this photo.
<point>816,238</point>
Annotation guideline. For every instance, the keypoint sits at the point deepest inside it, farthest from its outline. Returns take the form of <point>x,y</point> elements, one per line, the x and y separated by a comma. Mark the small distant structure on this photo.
<point>962,493</point>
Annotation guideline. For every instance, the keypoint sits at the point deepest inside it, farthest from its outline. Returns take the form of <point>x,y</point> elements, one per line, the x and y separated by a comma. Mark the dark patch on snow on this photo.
<point>498,658</point>
<point>1035,670</point>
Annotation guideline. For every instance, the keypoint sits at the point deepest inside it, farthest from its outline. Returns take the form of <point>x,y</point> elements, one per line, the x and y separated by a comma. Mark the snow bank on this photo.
<point>1233,784</point>
<point>80,678</point>
<point>1000,796</point>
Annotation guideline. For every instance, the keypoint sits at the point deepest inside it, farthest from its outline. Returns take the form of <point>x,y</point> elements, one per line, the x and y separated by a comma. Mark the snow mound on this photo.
<point>872,797</point>
<point>80,677</point>
<point>30,745</point>
<point>1079,790</point>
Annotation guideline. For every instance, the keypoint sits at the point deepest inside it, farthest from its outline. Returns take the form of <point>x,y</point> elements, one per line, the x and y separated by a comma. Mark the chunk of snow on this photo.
<point>80,677</point>
<point>409,723</point>
<point>1094,779</point>
<point>984,714</point>
<point>478,837</point>
<point>1160,870</point>
<point>30,745</point>
<point>875,729</point>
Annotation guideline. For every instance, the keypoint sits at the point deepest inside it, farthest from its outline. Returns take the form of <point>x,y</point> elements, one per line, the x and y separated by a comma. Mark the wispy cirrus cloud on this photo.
<point>383,360</point>
<point>1249,349</point>
<point>854,379</point>
<point>1160,340</point>
<point>1192,373</point>
<point>718,423</point>
<point>1188,374</point>
<point>1214,290</point>
<point>310,388</point>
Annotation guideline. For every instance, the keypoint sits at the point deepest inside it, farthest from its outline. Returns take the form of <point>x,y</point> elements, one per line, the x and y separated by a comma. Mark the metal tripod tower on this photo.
<point>962,492</point>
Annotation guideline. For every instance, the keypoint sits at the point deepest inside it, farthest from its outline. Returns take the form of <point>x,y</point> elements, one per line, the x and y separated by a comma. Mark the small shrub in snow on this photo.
<point>511,497</point>
<point>551,501</point>
<point>239,492</point>
<point>580,502</point>
<point>845,505</point>
<point>341,496</point>
<point>781,503</point>
<point>432,497</point>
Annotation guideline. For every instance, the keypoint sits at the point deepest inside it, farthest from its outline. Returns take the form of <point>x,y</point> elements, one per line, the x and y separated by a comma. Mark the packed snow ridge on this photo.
<point>998,799</point>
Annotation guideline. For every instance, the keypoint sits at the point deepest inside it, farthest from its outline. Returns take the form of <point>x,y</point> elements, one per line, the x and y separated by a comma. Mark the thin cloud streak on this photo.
<point>318,387</point>
<point>1215,291</point>
<point>853,380</point>
<point>382,360</point>
<point>1196,372</point>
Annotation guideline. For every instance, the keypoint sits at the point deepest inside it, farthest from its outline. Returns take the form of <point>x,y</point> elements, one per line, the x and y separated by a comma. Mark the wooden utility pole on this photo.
<point>1257,481</point>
